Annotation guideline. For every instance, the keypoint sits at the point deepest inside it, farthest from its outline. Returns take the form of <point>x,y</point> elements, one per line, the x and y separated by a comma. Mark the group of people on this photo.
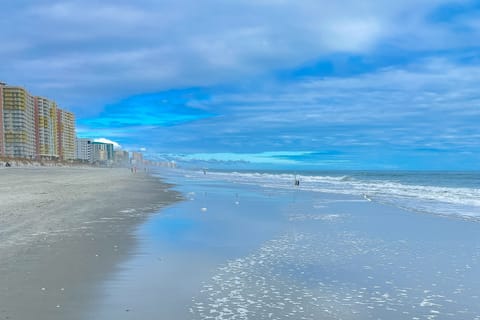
<point>134,169</point>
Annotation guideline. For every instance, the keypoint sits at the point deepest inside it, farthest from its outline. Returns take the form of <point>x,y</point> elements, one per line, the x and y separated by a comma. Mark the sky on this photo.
<point>349,85</point>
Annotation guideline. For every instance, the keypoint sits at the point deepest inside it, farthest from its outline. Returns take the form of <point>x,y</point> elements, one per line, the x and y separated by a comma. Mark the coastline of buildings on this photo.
<point>104,154</point>
<point>35,129</point>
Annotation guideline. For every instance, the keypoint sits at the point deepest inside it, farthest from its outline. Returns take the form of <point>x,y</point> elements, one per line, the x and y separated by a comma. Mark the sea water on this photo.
<point>441,193</point>
<point>252,245</point>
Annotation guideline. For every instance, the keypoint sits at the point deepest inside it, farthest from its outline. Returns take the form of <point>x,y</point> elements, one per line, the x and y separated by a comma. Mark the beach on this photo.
<point>237,246</point>
<point>62,230</point>
<point>239,249</point>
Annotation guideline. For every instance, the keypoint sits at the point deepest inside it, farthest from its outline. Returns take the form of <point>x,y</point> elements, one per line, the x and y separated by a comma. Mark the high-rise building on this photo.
<point>83,149</point>
<point>19,136</point>
<point>95,152</point>
<point>101,152</point>
<point>136,159</point>
<point>121,158</point>
<point>34,127</point>
<point>66,134</point>
<point>2,135</point>
<point>46,128</point>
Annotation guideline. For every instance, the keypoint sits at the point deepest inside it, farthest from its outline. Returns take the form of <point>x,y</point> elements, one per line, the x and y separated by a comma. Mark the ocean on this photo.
<point>340,245</point>
<point>455,194</point>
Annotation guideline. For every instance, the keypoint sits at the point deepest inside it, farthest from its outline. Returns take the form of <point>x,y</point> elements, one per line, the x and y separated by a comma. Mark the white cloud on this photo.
<point>430,102</point>
<point>116,146</point>
<point>82,53</point>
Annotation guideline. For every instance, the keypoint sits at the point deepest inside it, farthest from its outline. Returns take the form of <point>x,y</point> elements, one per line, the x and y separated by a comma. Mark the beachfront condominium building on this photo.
<point>46,128</point>
<point>83,149</point>
<point>18,125</point>
<point>101,152</point>
<point>34,127</point>
<point>66,134</point>
<point>2,136</point>
<point>136,159</point>
<point>121,158</point>
<point>94,152</point>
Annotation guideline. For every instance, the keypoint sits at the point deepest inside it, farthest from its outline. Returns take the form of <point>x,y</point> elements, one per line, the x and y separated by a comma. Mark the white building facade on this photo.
<point>83,150</point>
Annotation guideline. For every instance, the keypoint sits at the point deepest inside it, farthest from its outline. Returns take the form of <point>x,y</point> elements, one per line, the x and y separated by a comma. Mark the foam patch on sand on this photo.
<point>321,276</point>
<point>320,217</point>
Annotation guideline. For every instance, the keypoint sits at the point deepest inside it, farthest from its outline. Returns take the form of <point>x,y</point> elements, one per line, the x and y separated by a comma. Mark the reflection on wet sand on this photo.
<point>300,255</point>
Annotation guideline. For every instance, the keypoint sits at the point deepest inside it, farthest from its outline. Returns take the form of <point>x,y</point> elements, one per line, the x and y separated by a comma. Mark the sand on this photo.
<point>254,253</point>
<point>62,230</point>
<point>269,253</point>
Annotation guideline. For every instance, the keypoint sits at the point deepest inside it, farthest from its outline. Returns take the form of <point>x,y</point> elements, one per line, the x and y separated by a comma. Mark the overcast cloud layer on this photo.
<point>342,84</point>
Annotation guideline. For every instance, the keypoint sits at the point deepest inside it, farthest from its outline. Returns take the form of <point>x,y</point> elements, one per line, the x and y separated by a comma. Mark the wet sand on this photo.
<point>264,253</point>
<point>63,230</point>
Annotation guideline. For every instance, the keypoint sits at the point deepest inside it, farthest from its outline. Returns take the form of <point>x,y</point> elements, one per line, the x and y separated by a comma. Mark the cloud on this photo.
<point>430,103</point>
<point>116,146</point>
<point>86,53</point>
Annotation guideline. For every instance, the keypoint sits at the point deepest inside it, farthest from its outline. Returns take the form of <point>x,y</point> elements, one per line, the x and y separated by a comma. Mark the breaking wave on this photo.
<point>421,192</point>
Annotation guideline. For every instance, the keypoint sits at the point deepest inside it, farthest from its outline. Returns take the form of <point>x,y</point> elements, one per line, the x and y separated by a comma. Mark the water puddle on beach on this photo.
<point>242,252</point>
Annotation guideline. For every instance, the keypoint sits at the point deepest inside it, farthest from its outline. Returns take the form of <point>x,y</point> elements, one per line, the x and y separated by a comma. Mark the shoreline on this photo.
<point>64,230</point>
<point>290,253</point>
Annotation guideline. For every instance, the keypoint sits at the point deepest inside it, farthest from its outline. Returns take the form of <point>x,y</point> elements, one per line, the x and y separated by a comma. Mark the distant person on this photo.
<point>296,181</point>
<point>8,164</point>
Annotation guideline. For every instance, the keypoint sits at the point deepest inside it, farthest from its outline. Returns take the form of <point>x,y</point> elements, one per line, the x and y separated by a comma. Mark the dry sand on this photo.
<point>62,230</point>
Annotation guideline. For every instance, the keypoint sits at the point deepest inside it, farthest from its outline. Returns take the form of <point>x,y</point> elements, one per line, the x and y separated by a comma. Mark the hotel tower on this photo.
<point>34,127</point>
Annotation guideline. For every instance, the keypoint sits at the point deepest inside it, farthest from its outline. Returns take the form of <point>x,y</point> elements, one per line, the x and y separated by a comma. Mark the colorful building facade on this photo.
<point>66,134</point>
<point>2,135</point>
<point>18,123</point>
<point>34,127</point>
<point>47,128</point>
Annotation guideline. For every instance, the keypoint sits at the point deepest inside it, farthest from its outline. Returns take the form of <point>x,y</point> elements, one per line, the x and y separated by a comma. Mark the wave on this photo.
<point>460,201</point>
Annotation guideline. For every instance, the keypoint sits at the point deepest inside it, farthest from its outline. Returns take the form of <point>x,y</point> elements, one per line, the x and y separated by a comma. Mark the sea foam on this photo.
<point>434,197</point>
